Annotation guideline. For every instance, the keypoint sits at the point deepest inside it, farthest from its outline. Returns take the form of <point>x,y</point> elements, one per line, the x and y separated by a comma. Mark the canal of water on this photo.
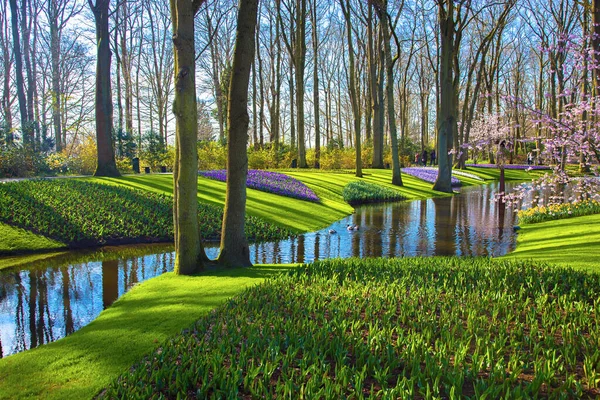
<point>43,301</point>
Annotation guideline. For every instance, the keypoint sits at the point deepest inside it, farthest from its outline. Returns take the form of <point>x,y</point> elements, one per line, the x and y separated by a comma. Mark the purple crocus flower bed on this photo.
<point>510,166</point>
<point>427,174</point>
<point>268,181</point>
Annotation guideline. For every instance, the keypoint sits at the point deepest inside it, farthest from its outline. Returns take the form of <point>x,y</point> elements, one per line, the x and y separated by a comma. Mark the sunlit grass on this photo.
<point>15,240</point>
<point>568,242</point>
<point>79,365</point>
<point>84,213</point>
<point>389,328</point>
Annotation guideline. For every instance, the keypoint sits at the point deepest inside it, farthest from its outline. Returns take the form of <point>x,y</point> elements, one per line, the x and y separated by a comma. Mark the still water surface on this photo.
<point>43,301</point>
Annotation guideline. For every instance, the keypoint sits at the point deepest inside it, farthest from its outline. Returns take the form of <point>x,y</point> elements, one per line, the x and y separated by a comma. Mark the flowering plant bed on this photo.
<point>559,211</point>
<point>427,174</point>
<point>82,214</point>
<point>269,181</point>
<point>360,192</point>
<point>511,166</point>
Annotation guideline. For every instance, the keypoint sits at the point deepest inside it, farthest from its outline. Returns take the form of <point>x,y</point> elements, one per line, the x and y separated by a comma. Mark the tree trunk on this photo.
<point>352,83</point>
<point>316,101</point>
<point>55,65</point>
<point>28,129</point>
<point>106,165</point>
<point>20,82</point>
<point>299,58</point>
<point>447,118</point>
<point>234,245</point>
<point>126,68</point>
<point>389,87</point>
<point>189,253</point>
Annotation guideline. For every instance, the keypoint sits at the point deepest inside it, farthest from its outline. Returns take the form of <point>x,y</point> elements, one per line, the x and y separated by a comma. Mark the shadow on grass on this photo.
<point>80,365</point>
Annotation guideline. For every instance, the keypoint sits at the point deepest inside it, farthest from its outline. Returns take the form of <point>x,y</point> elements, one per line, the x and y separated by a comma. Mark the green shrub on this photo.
<point>389,328</point>
<point>211,155</point>
<point>361,192</point>
<point>83,213</point>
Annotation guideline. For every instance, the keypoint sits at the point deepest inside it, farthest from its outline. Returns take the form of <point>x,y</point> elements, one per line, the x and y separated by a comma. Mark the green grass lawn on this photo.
<point>571,242</point>
<point>15,240</point>
<point>79,365</point>
<point>395,328</point>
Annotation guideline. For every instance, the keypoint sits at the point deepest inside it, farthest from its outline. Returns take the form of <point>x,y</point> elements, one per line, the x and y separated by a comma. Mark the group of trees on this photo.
<point>346,73</point>
<point>349,73</point>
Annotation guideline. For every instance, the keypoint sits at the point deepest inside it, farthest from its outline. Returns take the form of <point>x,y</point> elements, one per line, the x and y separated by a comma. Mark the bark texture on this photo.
<point>189,253</point>
<point>104,109</point>
<point>234,245</point>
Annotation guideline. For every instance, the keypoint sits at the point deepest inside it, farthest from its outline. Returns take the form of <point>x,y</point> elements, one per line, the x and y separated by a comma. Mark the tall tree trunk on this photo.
<point>234,245</point>
<point>353,95</point>
<point>104,110</point>
<point>126,68</point>
<point>55,51</point>
<point>316,101</point>
<point>389,87</point>
<point>20,81</point>
<point>374,62</point>
<point>300,61</point>
<point>447,117</point>
<point>28,129</point>
<point>189,253</point>
<point>6,100</point>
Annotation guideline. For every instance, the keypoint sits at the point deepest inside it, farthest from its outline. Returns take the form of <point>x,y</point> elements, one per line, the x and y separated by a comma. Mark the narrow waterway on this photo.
<point>43,301</point>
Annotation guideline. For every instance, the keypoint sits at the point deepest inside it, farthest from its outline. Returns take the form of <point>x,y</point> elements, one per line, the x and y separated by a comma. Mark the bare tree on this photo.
<point>384,18</point>
<point>352,86</point>
<point>104,109</point>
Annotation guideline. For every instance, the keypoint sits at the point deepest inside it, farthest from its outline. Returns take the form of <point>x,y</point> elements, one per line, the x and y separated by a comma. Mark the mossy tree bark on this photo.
<point>234,245</point>
<point>189,253</point>
<point>106,165</point>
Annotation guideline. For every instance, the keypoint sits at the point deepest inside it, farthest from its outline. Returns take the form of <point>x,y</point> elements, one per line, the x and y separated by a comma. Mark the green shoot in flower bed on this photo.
<point>86,214</point>
<point>559,211</point>
<point>361,192</point>
<point>389,328</point>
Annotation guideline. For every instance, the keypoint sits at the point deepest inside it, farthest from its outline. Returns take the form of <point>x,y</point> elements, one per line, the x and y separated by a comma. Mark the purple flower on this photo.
<point>269,181</point>
<point>427,174</point>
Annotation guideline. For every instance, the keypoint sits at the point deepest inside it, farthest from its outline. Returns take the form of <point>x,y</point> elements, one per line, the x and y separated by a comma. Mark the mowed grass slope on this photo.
<point>571,242</point>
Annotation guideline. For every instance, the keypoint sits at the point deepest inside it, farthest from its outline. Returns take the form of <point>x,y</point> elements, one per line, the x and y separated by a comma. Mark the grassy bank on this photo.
<point>77,366</point>
<point>271,208</point>
<point>568,242</point>
<point>157,310</point>
<point>389,328</point>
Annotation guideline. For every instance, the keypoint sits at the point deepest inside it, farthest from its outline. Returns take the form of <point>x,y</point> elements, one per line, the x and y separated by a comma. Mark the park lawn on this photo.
<point>573,242</point>
<point>296,215</point>
<point>79,365</point>
<point>493,174</point>
<point>15,240</point>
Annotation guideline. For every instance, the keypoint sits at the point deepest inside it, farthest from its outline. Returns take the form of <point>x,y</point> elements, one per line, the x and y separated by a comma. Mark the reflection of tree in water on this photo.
<point>301,249</point>
<point>110,282</point>
<point>66,297</point>
<point>445,225</point>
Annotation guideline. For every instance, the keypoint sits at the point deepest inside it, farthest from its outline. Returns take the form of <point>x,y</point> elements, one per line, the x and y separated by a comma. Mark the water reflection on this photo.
<point>52,298</point>
<point>42,304</point>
